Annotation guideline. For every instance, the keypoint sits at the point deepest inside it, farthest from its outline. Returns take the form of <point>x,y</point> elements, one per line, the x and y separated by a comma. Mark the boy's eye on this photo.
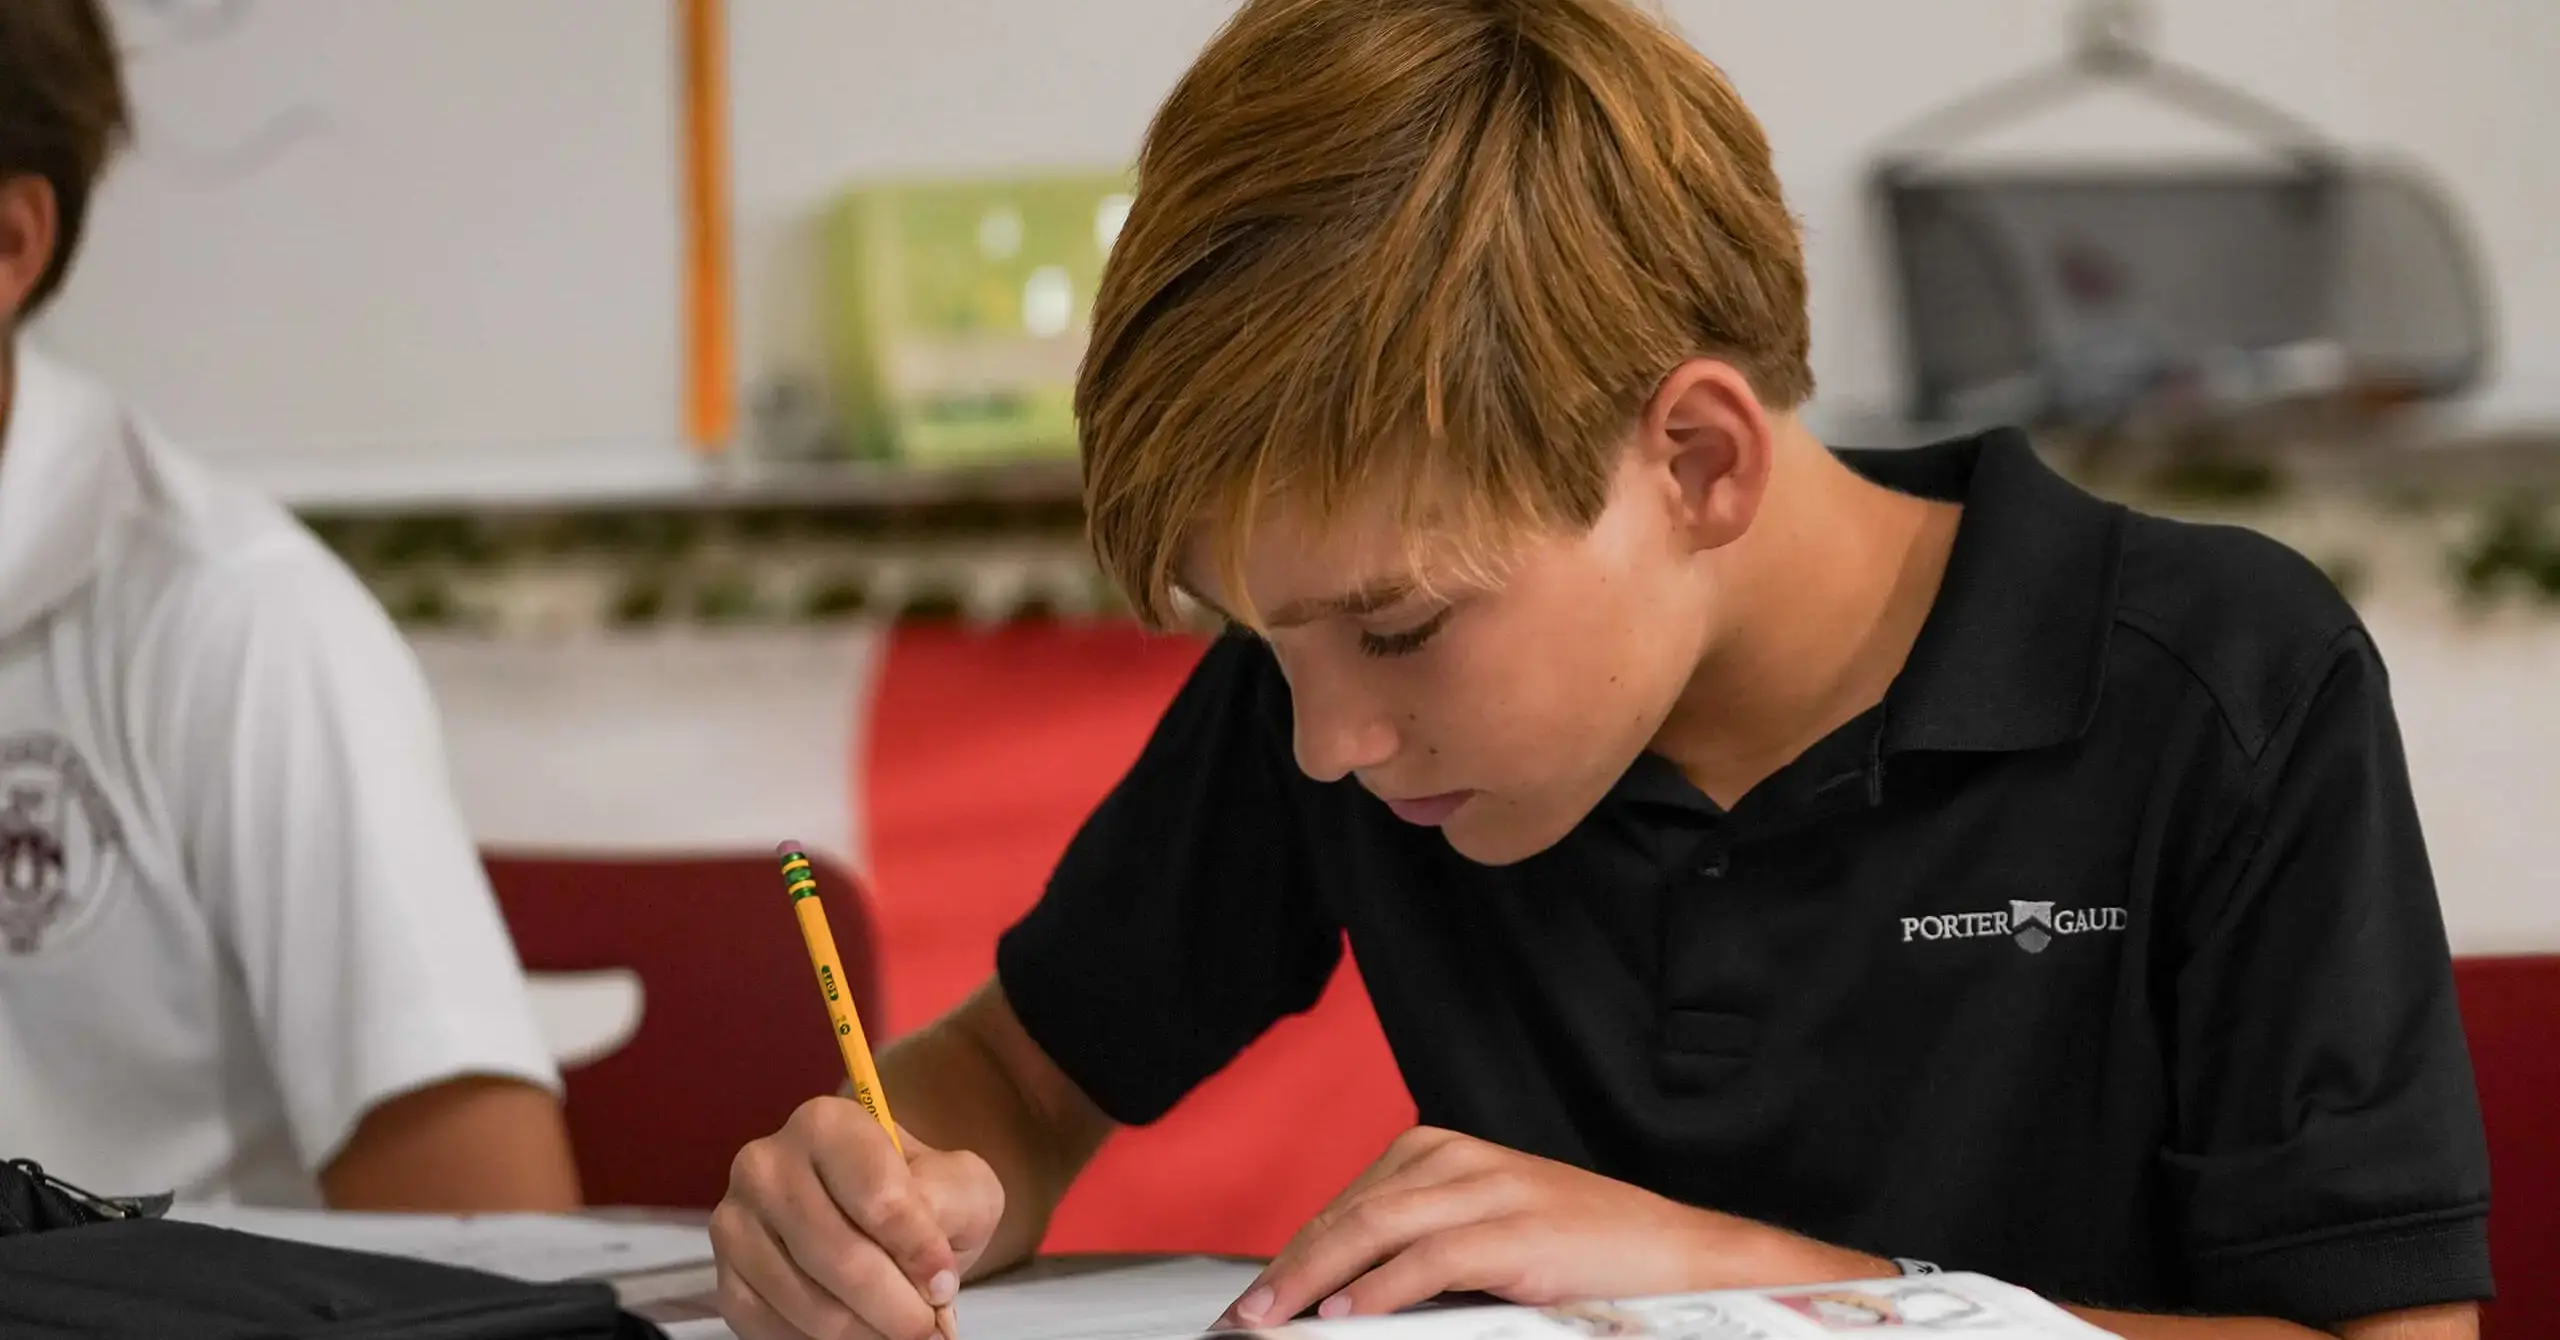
<point>1407,641</point>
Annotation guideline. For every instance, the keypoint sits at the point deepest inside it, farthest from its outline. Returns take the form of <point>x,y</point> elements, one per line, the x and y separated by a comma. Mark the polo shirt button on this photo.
<point>1713,865</point>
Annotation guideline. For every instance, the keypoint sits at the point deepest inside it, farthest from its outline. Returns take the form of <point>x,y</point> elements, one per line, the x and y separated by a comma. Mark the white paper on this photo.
<point>1165,1298</point>
<point>538,1247</point>
<point>1159,1299</point>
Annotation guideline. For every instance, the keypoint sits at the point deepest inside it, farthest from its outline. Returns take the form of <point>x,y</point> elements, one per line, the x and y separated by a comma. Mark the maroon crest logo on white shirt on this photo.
<point>56,831</point>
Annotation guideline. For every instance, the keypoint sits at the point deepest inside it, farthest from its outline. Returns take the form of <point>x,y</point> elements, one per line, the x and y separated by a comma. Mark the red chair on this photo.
<point>2511,1009</point>
<point>732,1033</point>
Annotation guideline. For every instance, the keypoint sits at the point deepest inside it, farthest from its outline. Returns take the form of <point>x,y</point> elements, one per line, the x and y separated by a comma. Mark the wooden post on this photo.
<point>711,394</point>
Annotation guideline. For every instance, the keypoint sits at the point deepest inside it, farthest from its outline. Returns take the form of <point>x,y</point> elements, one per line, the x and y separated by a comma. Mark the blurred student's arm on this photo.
<point>306,770</point>
<point>478,1143</point>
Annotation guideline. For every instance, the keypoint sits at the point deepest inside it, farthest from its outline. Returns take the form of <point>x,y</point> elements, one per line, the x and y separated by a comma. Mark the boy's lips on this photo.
<point>1429,811</point>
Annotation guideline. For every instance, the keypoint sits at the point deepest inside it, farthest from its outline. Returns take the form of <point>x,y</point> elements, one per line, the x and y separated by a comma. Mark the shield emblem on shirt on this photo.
<point>57,834</point>
<point>2031,924</point>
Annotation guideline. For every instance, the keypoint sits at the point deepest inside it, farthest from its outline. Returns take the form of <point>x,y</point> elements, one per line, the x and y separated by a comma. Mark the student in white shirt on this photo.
<point>247,951</point>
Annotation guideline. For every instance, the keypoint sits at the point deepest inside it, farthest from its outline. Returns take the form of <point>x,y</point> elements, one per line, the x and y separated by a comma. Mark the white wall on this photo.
<point>478,248</point>
<point>829,90</point>
<point>684,741</point>
<point>2479,711</point>
<point>395,226</point>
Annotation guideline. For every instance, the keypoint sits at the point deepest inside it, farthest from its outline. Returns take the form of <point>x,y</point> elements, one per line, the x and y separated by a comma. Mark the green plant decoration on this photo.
<point>726,598</point>
<point>2514,541</point>
<point>835,598</point>
<point>642,600</point>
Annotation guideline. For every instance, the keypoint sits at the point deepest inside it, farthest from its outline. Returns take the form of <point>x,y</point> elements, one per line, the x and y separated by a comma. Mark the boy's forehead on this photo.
<point>1297,562</point>
<point>1292,574</point>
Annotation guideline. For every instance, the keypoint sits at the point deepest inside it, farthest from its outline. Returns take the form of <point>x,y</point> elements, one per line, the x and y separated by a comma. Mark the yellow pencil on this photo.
<point>800,880</point>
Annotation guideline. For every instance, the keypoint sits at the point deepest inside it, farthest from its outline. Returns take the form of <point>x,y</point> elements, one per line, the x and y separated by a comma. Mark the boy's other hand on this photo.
<point>1442,1212</point>
<point>827,1231</point>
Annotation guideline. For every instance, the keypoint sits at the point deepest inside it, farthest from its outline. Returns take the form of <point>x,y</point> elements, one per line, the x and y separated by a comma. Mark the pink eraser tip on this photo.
<point>786,849</point>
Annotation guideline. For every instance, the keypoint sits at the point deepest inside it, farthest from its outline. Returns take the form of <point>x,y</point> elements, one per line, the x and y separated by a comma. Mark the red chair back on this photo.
<point>732,1033</point>
<point>2511,1009</point>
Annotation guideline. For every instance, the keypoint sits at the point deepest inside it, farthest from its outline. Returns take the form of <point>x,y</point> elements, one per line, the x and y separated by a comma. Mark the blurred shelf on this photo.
<point>622,476</point>
<point>669,477</point>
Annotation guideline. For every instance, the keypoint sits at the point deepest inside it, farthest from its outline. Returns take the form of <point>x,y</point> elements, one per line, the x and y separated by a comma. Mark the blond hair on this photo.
<point>1438,252</point>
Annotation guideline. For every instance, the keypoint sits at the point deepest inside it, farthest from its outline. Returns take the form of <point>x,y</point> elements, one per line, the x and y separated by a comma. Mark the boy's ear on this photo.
<point>1712,441</point>
<point>29,224</point>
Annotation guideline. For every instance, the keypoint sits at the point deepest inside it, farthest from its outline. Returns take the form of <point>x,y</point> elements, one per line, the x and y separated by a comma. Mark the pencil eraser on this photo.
<point>787,848</point>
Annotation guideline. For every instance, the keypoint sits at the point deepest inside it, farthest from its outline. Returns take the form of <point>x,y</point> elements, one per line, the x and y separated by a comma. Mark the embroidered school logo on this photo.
<point>2034,925</point>
<point>2031,925</point>
<point>57,838</point>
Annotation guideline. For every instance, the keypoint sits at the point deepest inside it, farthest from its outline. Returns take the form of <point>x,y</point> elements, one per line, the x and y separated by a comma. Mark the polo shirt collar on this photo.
<point>66,470</point>
<point>2013,653</point>
<point>2011,656</point>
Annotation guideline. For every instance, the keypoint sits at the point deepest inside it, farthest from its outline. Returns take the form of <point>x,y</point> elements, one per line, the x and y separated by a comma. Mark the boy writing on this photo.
<point>1769,865</point>
<point>247,952</point>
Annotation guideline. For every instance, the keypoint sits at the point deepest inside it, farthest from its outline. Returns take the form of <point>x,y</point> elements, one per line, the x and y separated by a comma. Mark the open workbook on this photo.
<point>1175,1299</point>
<point>1971,1306</point>
<point>662,1270</point>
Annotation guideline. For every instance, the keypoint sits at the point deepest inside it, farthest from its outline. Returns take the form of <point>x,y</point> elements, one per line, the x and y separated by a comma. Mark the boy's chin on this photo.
<point>1490,834</point>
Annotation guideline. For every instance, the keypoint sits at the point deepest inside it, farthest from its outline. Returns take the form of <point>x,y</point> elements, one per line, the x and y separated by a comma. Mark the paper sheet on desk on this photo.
<point>1164,1298</point>
<point>1175,1299</point>
<point>1973,1307</point>
<point>539,1247</point>
<point>1141,1302</point>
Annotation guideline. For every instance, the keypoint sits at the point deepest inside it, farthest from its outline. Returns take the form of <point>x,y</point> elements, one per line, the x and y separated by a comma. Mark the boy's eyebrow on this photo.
<point>1368,599</point>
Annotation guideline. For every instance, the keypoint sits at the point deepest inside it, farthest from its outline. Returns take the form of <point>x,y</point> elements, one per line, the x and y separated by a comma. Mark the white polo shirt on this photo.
<point>238,904</point>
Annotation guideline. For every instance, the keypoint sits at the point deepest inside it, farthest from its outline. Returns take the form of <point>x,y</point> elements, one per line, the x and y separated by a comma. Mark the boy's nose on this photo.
<point>1333,743</point>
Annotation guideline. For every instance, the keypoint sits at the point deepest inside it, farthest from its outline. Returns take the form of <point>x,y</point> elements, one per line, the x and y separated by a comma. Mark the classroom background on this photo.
<point>688,378</point>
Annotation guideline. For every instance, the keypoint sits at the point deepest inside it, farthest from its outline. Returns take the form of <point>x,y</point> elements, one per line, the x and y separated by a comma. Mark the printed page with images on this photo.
<point>1971,1306</point>
<point>1173,1300</point>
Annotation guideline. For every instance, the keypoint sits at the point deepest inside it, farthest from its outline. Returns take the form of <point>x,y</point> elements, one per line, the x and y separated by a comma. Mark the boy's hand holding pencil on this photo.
<point>838,1224</point>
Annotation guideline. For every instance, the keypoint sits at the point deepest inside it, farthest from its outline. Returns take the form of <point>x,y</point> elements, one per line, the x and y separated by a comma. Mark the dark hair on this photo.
<point>62,112</point>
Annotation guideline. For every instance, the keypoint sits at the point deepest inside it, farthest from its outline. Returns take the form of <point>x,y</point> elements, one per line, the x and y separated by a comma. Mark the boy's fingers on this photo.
<point>1477,1256</point>
<point>855,1267</point>
<point>961,1193</point>
<point>868,1182</point>
<point>1405,1152</point>
<point>1384,1223</point>
<point>749,1317</point>
<point>762,1294</point>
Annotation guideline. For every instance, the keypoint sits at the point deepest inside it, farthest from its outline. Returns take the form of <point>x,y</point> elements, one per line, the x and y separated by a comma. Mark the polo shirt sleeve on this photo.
<point>1183,920</point>
<point>2328,1153</point>
<point>307,775</point>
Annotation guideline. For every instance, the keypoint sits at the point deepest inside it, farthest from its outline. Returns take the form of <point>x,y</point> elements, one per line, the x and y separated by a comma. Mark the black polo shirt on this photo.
<point>2102,956</point>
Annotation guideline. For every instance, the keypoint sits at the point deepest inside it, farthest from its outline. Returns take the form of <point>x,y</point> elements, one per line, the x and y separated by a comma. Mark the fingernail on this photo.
<point>1254,1305</point>
<point>1335,1308</point>
<point>942,1288</point>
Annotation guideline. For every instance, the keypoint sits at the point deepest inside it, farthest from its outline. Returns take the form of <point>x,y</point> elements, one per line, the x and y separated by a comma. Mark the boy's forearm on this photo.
<point>949,1090</point>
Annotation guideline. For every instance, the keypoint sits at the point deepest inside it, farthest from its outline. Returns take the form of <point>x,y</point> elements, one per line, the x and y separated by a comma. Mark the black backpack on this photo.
<point>102,1268</point>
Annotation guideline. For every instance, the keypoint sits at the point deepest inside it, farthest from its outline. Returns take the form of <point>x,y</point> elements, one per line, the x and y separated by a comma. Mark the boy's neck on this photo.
<point>1835,581</point>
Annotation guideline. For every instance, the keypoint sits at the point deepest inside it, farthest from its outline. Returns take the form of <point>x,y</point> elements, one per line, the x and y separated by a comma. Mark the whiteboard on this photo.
<point>391,227</point>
